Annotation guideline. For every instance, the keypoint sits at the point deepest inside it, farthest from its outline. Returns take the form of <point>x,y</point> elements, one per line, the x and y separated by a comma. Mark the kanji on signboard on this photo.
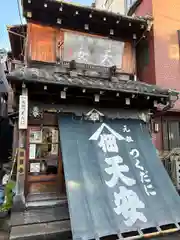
<point>125,129</point>
<point>129,139</point>
<point>127,203</point>
<point>108,143</point>
<point>117,169</point>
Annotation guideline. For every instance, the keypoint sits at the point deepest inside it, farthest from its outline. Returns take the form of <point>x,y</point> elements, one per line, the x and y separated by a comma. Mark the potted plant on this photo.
<point>8,199</point>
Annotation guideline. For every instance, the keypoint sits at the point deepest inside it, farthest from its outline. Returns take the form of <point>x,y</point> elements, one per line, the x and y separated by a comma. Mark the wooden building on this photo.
<point>76,61</point>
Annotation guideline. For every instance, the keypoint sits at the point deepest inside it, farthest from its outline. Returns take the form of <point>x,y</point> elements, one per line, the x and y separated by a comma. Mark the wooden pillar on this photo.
<point>19,200</point>
<point>134,57</point>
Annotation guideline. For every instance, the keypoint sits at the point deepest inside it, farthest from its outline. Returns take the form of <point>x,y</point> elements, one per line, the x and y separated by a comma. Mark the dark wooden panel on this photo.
<point>49,119</point>
<point>42,178</point>
<point>43,187</point>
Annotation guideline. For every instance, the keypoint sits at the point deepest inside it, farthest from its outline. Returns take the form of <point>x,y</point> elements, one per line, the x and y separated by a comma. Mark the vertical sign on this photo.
<point>54,146</point>
<point>23,111</point>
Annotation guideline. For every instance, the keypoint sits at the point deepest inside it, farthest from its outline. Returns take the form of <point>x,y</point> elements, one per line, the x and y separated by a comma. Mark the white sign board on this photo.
<point>32,151</point>
<point>54,146</point>
<point>23,111</point>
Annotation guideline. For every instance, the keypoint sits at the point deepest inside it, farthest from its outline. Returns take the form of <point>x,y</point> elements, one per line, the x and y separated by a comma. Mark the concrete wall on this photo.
<point>164,41</point>
<point>147,74</point>
<point>166,23</point>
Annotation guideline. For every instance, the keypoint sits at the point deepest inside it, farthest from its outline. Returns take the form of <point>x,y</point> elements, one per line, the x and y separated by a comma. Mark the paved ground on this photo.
<point>4,227</point>
<point>4,235</point>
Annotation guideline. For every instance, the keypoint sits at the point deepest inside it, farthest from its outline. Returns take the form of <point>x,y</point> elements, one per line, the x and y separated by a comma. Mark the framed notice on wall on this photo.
<point>35,167</point>
<point>35,135</point>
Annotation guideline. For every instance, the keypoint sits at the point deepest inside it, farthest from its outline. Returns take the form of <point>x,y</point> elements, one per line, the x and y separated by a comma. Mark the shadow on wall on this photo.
<point>6,140</point>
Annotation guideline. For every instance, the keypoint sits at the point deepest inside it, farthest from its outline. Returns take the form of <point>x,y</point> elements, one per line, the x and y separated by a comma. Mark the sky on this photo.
<point>9,16</point>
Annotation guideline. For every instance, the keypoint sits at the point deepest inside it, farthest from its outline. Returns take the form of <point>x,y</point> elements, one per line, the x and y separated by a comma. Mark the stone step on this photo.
<point>45,196</point>
<point>42,231</point>
<point>34,204</point>
<point>39,215</point>
<point>45,199</point>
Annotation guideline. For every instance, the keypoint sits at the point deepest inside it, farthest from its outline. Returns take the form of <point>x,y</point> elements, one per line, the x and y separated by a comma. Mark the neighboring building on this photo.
<point>5,126</point>
<point>115,6</point>
<point>83,124</point>
<point>159,62</point>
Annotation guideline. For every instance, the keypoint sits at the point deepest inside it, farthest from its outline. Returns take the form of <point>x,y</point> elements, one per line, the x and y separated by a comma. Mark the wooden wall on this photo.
<point>46,44</point>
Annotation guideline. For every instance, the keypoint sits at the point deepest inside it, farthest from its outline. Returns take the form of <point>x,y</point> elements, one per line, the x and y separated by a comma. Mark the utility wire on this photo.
<point>20,17</point>
<point>19,12</point>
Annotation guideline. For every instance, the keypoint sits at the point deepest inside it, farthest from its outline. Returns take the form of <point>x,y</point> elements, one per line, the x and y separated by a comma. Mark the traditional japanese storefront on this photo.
<point>84,131</point>
<point>98,157</point>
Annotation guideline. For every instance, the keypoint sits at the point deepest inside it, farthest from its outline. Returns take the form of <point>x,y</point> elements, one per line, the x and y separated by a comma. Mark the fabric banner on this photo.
<point>114,179</point>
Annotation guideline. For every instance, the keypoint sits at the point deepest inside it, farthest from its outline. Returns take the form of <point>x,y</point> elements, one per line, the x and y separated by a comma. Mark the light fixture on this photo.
<point>84,90</point>
<point>117,94</point>
<point>86,26</point>
<point>148,97</point>
<point>155,103</point>
<point>63,94</point>
<point>29,1</point>
<point>90,15</point>
<point>76,12</point>
<point>111,32</point>
<point>127,101</point>
<point>134,36</point>
<point>59,21</point>
<point>135,77</point>
<point>45,5</point>
<point>130,24</point>
<point>117,22</point>
<point>133,96</point>
<point>104,18</point>
<point>60,9</point>
<point>45,87</point>
<point>29,14</point>
<point>96,97</point>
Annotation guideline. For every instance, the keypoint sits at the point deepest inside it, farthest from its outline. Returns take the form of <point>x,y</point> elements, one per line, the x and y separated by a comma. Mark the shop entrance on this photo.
<point>44,175</point>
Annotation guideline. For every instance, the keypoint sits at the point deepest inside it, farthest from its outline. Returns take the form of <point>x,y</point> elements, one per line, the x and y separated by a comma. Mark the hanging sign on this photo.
<point>54,146</point>
<point>23,111</point>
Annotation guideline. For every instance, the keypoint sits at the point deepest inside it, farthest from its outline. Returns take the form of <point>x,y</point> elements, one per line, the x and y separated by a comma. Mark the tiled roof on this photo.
<point>116,84</point>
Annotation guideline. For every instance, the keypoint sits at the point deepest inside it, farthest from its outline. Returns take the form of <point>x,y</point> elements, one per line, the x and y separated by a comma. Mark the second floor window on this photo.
<point>171,134</point>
